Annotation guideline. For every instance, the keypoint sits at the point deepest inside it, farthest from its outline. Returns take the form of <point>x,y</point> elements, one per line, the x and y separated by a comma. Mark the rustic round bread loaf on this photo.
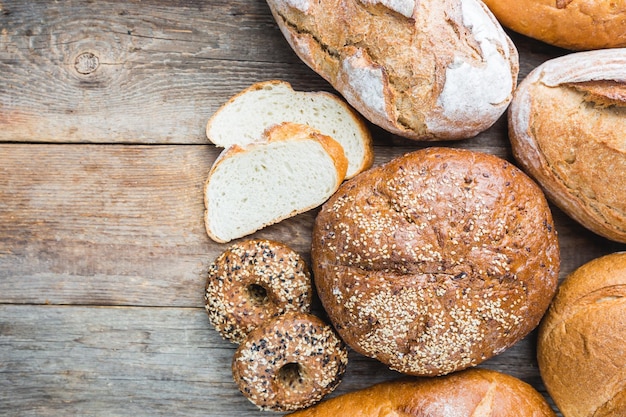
<point>581,343</point>
<point>437,260</point>
<point>427,70</point>
<point>571,24</point>
<point>567,125</point>
<point>471,393</point>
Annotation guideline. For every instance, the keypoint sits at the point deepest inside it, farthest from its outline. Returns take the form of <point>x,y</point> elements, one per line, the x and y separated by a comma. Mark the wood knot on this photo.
<point>86,63</point>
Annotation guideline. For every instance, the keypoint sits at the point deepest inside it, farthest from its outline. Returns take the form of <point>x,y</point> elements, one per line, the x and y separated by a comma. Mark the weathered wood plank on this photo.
<point>143,72</point>
<point>89,361</point>
<point>83,226</point>
<point>123,225</point>
<point>132,72</point>
<point>85,220</point>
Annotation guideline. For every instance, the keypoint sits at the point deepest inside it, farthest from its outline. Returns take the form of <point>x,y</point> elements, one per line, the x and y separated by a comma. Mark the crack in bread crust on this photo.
<point>438,245</point>
<point>416,63</point>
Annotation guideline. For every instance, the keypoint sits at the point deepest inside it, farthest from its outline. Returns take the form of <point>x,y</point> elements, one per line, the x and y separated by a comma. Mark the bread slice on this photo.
<point>245,117</point>
<point>294,169</point>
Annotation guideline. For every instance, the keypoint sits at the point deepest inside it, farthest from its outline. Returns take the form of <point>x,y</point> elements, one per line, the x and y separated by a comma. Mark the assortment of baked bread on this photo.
<point>437,260</point>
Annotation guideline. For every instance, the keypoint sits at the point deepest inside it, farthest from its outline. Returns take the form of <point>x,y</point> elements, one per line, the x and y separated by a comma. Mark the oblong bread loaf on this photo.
<point>472,393</point>
<point>580,346</point>
<point>244,118</point>
<point>571,24</point>
<point>567,125</point>
<point>426,70</point>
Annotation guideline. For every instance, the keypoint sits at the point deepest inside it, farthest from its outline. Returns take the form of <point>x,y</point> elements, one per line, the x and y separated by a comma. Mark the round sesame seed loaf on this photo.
<point>437,260</point>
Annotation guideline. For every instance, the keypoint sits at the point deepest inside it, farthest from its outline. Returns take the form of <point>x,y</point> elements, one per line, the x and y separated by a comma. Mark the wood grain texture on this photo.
<point>92,361</point>
<point>141,72</point>
<point>162,67</point>
<point>123,224</point>
<point>103,157</point>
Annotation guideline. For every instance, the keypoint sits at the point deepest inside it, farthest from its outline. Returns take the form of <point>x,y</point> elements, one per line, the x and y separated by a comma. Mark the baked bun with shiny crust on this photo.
<point>437,260</point>
<point>426,70</point>
<point>571,24</point>
<point>471,393</point>
<point>253,281</point>
<point>582,339</point>
<point>567,125</point>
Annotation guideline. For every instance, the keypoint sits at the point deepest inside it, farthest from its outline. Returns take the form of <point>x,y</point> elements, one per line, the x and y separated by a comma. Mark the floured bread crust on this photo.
<point>435,261</point>
<point>567,125</point>
<point>427,70</point>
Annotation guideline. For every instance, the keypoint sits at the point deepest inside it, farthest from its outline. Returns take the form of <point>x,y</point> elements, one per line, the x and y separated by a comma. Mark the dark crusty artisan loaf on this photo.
<point>437,260</point>
<point>427,69</point>
<point>567,125</point>
<point>471,393</point>
<point>581,346</point>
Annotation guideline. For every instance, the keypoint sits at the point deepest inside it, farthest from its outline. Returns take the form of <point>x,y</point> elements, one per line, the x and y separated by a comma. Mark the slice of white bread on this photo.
<point>295,169</point>
<point>244,118</point>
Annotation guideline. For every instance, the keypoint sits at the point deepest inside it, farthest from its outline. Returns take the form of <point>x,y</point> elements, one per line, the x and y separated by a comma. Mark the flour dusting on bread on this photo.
<point>471,89</point>
<point>302,5</point>
<point>366,82</point>
<point>426,70</point>
<point>405,7</point>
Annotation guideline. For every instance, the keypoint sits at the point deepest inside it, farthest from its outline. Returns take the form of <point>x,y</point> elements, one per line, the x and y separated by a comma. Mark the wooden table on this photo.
<point>103,252</point>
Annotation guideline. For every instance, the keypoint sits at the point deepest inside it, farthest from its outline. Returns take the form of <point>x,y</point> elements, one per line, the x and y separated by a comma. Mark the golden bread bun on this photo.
<point>571,24</point>
<point>582,340</point>
<point>471,393</point>
<point>567,125</point>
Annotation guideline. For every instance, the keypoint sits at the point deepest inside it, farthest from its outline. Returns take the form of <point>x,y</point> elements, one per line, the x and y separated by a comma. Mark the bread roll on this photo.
<point>471,393</point>
<point>571,24</point>
<point>436,260</point>
<point>420,69</point>
<point>567,125</point>
<point>582,340</point>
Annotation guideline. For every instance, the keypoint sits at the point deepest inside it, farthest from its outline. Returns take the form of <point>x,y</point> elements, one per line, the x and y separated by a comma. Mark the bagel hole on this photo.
<point>291,375</point>
<point>257,293</point>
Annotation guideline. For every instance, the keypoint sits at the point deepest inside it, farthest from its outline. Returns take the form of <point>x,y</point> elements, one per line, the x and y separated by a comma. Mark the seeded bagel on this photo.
<point>437,260</point>
<point>253,281</point>
<point>290,362</point>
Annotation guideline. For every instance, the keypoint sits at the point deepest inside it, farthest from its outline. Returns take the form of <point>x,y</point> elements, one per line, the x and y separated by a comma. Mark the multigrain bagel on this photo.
<point>253,281</point>
<point>437,260</point>
<point>290,362</point>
